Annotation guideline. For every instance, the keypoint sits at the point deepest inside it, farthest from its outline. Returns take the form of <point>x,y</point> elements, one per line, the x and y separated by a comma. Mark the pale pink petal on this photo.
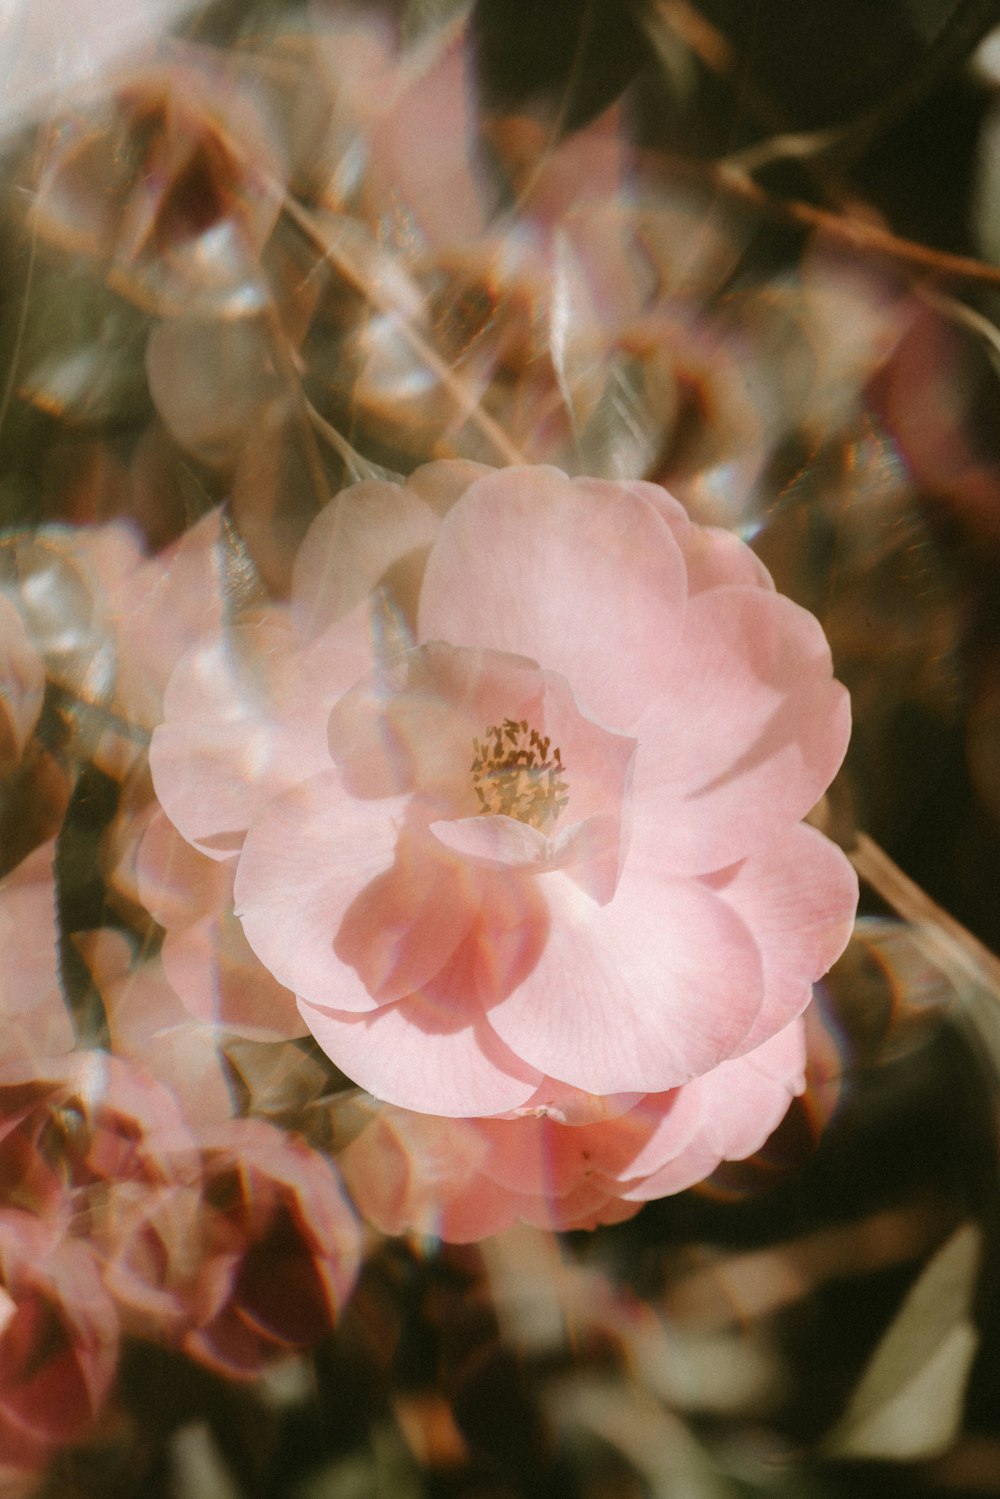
<point>404,1170</point>
<point>643,993</point>
<point>716,559</point>
<point>371,534</point>
<point>498,841</point>
<point>713,556</point>
<point>246,715</point>
<point>530,563</point>
<point>222,982</point>
<point>212,756</point>
<point>589,851</point>
<point>149,1024</point>
<point>205,954</point>
<point>565,1105</point>
<point>747,737</point>
<point>423,141</point>
<point>36,1019</point>
<point>441,483</point>
<point>428,1052</point>
<point>660,1129</point>
<point>798,897</point>
<point>338,907</point>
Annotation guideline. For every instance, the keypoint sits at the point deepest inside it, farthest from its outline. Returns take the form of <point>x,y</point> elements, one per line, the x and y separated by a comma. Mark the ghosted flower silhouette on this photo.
<point>555,848</point>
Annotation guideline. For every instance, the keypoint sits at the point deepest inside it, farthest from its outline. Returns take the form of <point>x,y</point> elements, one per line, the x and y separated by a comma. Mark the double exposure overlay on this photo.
<point>499,749</point>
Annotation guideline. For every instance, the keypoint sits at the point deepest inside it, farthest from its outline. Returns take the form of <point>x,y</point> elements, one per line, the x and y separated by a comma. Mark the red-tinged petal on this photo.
<point>798,897</point>
<point>338,906</point>
<point>747,737</point>
<point>645,992</point>
<point>584,578</point>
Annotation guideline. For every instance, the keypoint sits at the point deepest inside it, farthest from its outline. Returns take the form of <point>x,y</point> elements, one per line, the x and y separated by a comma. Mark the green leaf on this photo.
<point>908,1404</point>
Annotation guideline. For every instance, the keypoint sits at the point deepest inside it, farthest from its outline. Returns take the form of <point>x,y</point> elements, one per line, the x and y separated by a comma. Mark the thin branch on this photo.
<point>914,905</point>
<point>467,402</point>
<point>853,233</point>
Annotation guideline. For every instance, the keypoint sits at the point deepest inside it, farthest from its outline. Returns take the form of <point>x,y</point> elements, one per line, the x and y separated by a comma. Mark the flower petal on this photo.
<point>643,993</point>
<point>798,897</point>
<point>341,908</point>
<point>740,1103</point>
<point>246,715</point>
<point>372,533</point>
<point>747,737</point>
<point>426,1053</point>
<point>584,578</point>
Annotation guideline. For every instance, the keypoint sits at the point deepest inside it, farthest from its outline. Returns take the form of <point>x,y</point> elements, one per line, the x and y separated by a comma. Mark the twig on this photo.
<point>914,905</point>
<point>467,402</point>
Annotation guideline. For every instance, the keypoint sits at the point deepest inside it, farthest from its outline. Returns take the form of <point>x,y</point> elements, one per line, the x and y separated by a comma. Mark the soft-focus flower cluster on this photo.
<point>133,1201</point>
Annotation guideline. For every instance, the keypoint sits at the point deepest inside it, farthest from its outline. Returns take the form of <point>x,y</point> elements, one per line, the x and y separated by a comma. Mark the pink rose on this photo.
<point>58,1340</point>
<point>248,1260</point>
<point>556,845</point>
<point>465,1179</point>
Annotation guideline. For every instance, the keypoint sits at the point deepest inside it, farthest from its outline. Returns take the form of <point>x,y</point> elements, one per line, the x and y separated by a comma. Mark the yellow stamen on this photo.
<point>513,774</point>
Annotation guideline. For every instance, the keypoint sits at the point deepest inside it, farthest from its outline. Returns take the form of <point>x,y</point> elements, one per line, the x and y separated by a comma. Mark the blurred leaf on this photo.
<point>656,1443</point>
<point>81,358</point>
<point>420,16</point>
<point>384,1469</point>
<point>199,1468</point>
<point>276,1080</point>
<point>908,1404</point>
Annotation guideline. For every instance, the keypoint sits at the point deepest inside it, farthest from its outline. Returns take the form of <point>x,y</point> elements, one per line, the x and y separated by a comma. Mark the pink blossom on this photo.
<point>465,1179</point>
<point>175,179</point>
<point>114,1122</point>
<point>555,841</point>
<point>251,1259</point>
<point>58,1339</point>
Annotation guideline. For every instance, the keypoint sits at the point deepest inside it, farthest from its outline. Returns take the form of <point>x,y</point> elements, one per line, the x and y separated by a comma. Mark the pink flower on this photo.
<point>252,1258</point>
<point>556,842</point>
<point>58,1339</point>
<point>465,1179</point>
<point>174,179</point>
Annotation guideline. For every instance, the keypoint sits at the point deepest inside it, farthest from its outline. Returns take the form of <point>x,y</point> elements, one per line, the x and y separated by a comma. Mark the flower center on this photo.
<point>513,774</point>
